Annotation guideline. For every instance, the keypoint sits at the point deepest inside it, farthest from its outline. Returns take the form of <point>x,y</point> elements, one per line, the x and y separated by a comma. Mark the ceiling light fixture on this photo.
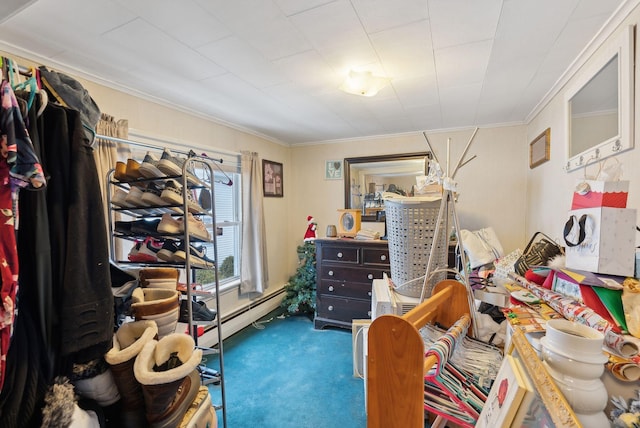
<point>363,83</point>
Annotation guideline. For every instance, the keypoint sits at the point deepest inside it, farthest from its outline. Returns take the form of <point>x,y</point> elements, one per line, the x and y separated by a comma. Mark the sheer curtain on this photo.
<point>106,153</point>
<point>253,272</point>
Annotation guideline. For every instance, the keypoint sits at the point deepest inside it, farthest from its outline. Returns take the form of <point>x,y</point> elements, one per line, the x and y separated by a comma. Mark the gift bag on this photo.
<point>605,189</point>
<point>601,240</point>
<point>594,194</point>
<point>538,252</point>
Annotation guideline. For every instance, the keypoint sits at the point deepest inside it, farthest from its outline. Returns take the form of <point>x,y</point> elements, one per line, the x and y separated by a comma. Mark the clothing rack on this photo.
<point>22,69</point>
<point>396,363</point>
<point>448,213</point>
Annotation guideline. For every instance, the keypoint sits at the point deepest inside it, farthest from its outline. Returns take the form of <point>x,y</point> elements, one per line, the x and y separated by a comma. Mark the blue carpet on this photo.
<point>290,375</point>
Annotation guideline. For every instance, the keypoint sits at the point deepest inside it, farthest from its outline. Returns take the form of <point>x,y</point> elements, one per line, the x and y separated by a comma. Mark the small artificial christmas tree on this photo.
<point>300,295</point>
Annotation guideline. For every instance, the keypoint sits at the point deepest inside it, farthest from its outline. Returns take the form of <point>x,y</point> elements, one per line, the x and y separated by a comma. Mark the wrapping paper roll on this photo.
<point>623,345</point>
<point>624,369</point>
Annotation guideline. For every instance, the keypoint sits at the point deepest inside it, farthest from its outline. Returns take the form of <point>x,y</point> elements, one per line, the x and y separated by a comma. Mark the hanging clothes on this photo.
<point>19,168</point>
<point>30,359</point>
<point>79,244</point>
<point>26,381</point>
<point>68,92</point>
<point>8,264</point>
<point>25,168</point>
<point>34,247</point>
<point>64,302</point>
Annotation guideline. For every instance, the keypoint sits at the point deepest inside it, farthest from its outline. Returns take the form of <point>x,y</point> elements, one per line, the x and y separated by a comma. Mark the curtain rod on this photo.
<point>161,140</point>
<point>22,69</point>
<point>189,153</point>
<point>122,140</point>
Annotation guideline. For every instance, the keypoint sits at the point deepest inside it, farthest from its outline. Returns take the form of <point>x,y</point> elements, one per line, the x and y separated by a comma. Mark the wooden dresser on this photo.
<point>346,270</point>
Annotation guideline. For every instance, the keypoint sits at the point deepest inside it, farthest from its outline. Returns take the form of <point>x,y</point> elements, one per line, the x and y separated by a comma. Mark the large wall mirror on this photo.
<point>599,105</point>
<point>367,178</point>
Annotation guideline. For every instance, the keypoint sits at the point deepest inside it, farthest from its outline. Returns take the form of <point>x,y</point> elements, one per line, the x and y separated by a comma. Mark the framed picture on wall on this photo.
<point>539,149</point>
<point>333,170</point>
<point>272,179</point>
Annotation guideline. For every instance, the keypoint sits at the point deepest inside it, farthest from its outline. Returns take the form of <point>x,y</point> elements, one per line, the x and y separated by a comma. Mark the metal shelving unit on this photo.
<point>191,163</point>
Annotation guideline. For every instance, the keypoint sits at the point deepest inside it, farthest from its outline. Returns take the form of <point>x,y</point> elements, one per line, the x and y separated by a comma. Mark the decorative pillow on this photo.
<point>481,246</point>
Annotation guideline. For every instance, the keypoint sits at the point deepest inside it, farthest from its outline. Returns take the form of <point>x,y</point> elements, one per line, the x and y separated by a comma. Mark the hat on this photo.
<point>68,92</point>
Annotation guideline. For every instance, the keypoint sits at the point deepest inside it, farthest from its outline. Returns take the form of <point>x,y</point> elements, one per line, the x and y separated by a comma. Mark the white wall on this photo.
<point>492,187</point>
<point>550,188</point>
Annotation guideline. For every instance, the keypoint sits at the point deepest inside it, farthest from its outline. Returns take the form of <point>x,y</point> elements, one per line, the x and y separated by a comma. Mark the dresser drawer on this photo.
<point>345,272</point>
<point>372,256</point>
<point>341,254</point>
<point>343,309</point>
<point>350,274</point>
<point>341,289</point>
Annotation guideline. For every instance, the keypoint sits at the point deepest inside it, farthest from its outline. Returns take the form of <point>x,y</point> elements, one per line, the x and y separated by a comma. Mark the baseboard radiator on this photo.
<point>243,317</point>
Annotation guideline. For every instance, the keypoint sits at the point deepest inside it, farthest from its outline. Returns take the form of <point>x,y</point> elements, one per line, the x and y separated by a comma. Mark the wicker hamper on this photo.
<point>411,228</point>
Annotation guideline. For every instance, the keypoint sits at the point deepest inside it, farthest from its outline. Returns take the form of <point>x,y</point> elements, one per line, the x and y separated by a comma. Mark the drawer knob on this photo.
<point>370,276</point>
<point>369,293</point>
<point>330,273</point>
<point>330,308</point>
<point>331,288</point>
<point>383,257</point>
<point>340,255</point>
<point>369,313</point>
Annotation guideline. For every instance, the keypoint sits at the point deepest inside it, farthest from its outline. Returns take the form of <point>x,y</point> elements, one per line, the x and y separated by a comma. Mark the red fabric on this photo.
<point>8,266</point>
<point>531,276</point>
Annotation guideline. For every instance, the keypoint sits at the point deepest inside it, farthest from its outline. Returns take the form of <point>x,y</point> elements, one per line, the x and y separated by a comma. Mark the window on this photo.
<point>228,216</point>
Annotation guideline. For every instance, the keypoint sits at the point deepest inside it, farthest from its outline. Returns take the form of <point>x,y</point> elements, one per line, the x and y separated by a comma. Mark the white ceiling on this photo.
<point>273,66</point>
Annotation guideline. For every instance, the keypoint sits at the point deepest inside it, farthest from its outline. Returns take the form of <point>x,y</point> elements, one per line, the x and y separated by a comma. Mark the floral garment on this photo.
<point>19,168</point>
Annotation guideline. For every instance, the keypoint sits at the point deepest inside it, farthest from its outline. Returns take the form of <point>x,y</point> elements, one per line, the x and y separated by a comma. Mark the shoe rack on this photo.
<point>168,221</point>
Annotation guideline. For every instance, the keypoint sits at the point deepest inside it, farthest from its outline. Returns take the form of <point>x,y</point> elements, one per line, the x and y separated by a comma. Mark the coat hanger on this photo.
<point>30,85</point>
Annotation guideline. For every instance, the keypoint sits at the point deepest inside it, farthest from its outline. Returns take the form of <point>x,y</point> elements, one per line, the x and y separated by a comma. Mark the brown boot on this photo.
<point>158,304</point>
<point>166,369</point>
<point>127,344</point>
<point>161,277</point>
